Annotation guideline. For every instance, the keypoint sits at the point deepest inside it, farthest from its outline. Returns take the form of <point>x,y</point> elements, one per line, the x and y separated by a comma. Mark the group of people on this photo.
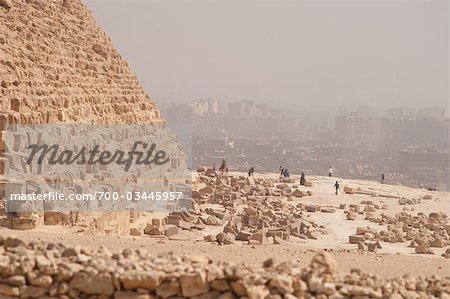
<point>284,173</point>
<point>223,167</point>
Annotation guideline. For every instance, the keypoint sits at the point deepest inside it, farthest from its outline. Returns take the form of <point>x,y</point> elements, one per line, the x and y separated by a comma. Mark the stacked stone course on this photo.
<point>57,65</point>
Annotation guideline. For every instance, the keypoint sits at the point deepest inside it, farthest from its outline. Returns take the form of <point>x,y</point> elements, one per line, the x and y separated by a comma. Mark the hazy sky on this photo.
<point>390,53</point>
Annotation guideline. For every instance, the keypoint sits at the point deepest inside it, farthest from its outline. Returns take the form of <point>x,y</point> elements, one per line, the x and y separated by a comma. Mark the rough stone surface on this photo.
<point>138,274</point>
<point>59,76</point>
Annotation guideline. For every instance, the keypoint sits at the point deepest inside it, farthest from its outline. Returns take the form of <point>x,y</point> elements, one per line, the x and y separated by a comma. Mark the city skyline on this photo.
<point>221,105</point>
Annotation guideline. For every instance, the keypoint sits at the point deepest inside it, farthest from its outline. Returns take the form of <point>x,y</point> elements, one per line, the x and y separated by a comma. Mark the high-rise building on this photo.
<point>262,110</point>
<point>352,127</point>
<point>206,106</point>
<point>200,107</point>
<point>431,112</point>
<point>243,108</point>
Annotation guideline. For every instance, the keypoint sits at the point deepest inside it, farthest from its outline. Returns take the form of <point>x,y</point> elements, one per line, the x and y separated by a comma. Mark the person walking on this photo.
<point>382,178</point>
<point>251,171</point>
<point>336,186</point>
<point>330,172</point>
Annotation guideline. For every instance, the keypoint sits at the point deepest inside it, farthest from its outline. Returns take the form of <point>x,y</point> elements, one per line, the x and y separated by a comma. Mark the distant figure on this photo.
<point>223,167</point>
<point>337,187</point>
<point>281,171</point>
<point>251,171</point>
<point>302,179</point>
<point>382,178</point>
<point>286,173</point>
<point>330,172</point>
<point>434,188</point>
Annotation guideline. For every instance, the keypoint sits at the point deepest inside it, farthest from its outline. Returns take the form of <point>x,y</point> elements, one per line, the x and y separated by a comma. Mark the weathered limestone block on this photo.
<point>193,285</point>
<point>355,239</point>
<point>26,223</point>
<point>8,290</point>
<point>140,279</point>
<point>3,164</point>
<point>351,216</point>
<point>349,190</point>
<point>91,283</point>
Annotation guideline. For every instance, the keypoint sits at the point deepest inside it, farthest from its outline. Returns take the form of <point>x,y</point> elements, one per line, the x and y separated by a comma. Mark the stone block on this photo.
<point>243,236</point>
<point>351,216</point>
<point>349,190</point>
<point>53,218</point>
<point>171,230</point>
<point>260,238</point>
<point>193,285</point>
<point>355,239</point>
<point>311,208</point>
<point>17,104</point>
<point>25,223</point>
<point>3,165</point>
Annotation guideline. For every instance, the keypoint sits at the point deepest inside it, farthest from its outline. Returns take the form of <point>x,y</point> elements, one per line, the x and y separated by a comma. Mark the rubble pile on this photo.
<point>366,239</point>
<point>421,231</point>
<point>352,210</point>
<point>48,270</point>
<point>256,211</point>
<point>412,201</point>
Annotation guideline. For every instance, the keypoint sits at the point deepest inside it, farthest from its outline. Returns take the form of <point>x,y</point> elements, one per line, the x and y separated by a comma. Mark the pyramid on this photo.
<point>57,66</point>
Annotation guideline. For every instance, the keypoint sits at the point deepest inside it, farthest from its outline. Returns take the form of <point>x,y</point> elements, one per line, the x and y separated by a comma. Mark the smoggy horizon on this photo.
<point>324,53</point>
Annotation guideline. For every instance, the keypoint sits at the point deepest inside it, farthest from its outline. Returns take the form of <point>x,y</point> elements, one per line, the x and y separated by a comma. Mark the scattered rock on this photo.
<point>423,249</point>
<point>351,216</point>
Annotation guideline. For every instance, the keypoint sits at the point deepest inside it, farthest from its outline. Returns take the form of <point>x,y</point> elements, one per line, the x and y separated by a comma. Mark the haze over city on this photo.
<point>360,85</point>
<point>322,53</point>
